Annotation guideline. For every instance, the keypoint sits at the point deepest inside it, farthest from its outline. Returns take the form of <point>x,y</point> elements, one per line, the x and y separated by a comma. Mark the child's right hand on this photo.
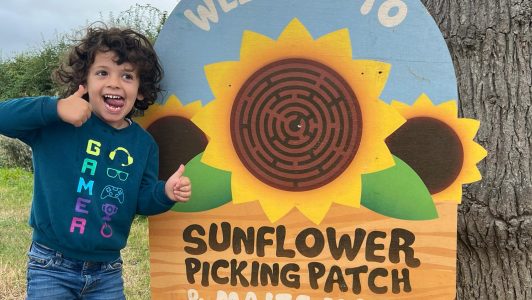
<point>74,109</point>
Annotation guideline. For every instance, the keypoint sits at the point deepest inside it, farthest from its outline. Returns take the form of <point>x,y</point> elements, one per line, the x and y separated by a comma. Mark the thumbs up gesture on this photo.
<point>74,109</point>
<point>178,187</point>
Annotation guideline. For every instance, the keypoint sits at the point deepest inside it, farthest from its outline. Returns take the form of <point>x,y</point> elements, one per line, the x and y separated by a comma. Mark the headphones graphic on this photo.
<point>129,157</point>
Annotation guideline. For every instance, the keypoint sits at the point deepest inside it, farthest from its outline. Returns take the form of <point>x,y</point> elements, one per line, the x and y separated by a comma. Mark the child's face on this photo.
<point>113,89</point>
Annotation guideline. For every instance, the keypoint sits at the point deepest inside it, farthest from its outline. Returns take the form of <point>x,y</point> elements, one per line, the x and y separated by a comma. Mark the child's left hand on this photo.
<point>178,187</point>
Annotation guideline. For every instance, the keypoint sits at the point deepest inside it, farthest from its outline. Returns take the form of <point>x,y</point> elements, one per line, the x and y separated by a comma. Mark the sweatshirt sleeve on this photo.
<point>22,118</point>
<point>152,198</point>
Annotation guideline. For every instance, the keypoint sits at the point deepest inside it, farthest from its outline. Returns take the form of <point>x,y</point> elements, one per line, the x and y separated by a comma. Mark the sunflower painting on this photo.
<point>310,181</point>
<point>301,121</point>
<point>439,146</point>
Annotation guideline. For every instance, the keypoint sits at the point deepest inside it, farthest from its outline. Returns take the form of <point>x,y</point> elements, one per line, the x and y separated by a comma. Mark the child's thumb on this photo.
<point>178,174</point>
<point>81,91</point>
<point>180,170</point>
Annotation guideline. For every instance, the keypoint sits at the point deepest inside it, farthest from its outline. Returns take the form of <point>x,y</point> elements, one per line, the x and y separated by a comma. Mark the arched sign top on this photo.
<point>201,32</point>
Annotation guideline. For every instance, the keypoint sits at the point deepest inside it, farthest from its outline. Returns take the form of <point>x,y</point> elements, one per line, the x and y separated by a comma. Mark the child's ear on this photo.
<point>140,96</point>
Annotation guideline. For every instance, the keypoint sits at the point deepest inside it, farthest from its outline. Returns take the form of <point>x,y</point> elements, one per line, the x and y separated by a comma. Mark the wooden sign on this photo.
<point>325,151</point>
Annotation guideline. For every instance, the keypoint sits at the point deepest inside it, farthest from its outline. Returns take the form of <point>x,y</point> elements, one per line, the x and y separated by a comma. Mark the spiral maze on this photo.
<point>296,124</point>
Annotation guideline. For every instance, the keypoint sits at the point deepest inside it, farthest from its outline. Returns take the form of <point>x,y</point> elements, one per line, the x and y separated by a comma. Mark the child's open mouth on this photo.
<point>114,103</point>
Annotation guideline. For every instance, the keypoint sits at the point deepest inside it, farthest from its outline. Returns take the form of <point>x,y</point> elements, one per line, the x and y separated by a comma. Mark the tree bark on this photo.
<point>490,42</point>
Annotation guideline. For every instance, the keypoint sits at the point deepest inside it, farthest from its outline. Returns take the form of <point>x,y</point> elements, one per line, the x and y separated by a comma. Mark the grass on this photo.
<point>15,236</point>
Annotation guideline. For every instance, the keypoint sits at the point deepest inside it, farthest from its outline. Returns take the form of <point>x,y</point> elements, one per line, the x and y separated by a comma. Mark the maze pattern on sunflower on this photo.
<point>296,124</point>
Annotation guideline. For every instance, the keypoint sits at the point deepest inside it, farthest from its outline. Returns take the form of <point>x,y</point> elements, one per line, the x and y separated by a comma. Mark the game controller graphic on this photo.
<point>113,192</point>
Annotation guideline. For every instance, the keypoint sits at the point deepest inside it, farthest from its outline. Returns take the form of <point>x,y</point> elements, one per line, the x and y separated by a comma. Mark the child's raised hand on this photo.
<point>74,109</point>
<point>178,187</point>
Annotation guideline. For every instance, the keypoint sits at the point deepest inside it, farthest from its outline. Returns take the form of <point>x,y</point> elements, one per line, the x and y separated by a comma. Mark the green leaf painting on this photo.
<point>399,193</point>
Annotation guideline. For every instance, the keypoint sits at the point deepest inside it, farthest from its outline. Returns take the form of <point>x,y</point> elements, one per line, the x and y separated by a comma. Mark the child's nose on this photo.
<point>113,82</point>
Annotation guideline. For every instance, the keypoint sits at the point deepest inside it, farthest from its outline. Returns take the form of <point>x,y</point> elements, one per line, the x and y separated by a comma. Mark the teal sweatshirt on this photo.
<point>89,181</point>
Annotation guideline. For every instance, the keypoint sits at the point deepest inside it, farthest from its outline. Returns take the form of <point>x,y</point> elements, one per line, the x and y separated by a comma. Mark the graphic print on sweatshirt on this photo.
<point>111,197</point>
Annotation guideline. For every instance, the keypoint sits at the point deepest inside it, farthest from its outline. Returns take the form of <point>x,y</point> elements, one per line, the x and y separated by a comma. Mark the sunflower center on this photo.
<point>431,148</point>
<point>296,124</point>
<point>179,141</point>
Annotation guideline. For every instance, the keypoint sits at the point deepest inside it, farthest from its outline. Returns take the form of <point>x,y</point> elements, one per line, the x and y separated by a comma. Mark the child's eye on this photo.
<point>128,76</point>
<point>101,73</point>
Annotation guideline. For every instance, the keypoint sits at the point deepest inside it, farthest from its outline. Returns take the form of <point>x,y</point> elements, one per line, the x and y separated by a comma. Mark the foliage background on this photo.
<point>30,73</point>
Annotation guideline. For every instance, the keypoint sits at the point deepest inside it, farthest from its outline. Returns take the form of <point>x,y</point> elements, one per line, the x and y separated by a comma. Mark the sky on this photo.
<point>25,24</point>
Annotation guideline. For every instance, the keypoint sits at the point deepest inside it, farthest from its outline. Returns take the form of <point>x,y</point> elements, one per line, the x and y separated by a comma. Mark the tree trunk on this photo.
<point>490,42</point>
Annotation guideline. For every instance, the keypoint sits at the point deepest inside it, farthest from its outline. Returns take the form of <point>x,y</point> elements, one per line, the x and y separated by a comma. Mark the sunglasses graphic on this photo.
<point>113,173</point>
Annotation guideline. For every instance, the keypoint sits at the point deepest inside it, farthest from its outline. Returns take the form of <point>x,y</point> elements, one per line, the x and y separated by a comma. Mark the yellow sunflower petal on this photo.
<point>337,42</point>
<point>401,107</point>
<point>217,153</point>
<point>380,161</point>
<point>368,78</point>
<point>255,46</point>
<point>274,208</point>
<point>424,102</point>
<point>315,211</point>
<point>347,196</point>
<point>194,108</point>
<point>478,152</point>
<point>470,174</point>
<point>453,193</point>
<point>389,119</point>
<point>295,33</point>
<point>450,107</point>
<point>221,77</point>
<point>241,192</point>
<point>469,128</point>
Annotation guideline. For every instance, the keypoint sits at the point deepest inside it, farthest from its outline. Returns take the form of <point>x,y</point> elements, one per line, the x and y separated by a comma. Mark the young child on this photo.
<point>94,168</point>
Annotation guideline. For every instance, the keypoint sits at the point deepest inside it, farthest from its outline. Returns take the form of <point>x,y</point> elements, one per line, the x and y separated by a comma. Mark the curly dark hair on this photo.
<point>129,46</point>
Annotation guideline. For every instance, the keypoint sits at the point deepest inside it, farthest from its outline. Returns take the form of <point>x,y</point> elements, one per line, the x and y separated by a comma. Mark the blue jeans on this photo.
<point>52,276</point>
